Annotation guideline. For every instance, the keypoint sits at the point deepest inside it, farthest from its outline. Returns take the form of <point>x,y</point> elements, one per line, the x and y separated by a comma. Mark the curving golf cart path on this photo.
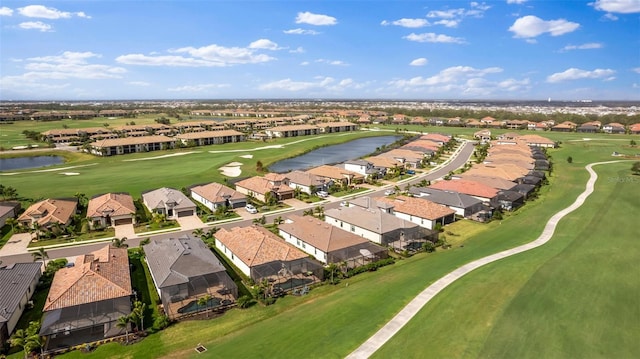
<point>396,323</point>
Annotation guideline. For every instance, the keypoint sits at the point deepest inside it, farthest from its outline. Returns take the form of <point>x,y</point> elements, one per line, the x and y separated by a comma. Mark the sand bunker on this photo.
<point>247,156</point>
<point>232,169</point>
<point>70,173</point>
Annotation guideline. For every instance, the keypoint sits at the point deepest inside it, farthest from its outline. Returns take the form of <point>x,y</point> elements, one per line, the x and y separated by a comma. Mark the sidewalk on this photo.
<point>17,244</point>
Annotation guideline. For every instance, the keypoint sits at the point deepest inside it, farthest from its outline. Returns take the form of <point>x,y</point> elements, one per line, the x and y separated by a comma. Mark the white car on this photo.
<point>389,192</point>
<point>322,194</point>
<point>250,208</point>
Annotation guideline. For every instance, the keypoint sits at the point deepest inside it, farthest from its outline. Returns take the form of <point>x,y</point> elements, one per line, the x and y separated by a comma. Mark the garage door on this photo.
<point>185,213</point>
<point>118,222</point>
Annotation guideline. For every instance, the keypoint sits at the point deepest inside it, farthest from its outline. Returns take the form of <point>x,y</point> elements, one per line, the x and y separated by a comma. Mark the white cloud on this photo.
<point>578,74</point>
<point>446,14</point>
<point>410,23</point>
<point>45,73</point>
<point>432,37</point>
<point>320,84</point>
<point>300,31</point>
<point>516,1</point>
<point>41,11</point>
<point>264,44</point>
<point>448,76</point>
<point>35,25</point>
<point>332,62</point>
<point>636,70</point>
<point>5,11</point>
<point>206,56</point>
<point>298,50</point>
<point>197,88</point>
<point>587,46</point>
<point>617,6</point>
<point>448,22</point>
<point>304,63</point>
<point>463,81</point>
<point>531,26</point>
<point>139,83</point>
<point>315,19</point>
<point>419,62</point>
<point>610,16</point>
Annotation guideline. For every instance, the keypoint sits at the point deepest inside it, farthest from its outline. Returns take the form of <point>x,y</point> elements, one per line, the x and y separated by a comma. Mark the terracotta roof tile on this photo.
<point>97,276</point>
<point>467,187</point>
<point>50,211</point>
<point>115,204</point>
<point>418,207</point>
<point>320,234</point>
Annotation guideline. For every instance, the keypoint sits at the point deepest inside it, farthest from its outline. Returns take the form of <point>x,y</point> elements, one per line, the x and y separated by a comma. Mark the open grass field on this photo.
<point>574,297</point>
<point>175,168</point>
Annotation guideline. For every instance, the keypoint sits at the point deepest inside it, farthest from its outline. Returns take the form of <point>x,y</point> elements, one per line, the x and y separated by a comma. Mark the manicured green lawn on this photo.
<point>127,173</point>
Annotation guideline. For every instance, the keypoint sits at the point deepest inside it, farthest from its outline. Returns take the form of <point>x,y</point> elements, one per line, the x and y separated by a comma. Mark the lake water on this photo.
<point>333,154</point>
<point>18,163</point>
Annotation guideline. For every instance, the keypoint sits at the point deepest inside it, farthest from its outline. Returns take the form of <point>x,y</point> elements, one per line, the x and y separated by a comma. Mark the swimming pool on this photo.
<point>193,306</point>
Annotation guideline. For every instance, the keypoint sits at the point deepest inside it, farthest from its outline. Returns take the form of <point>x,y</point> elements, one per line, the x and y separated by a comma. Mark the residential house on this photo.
<point>407,158</point>
<point>126,145</point>
<point>258,187</point>
<point>111,209</point>
<point>8,209</point>
<point>205,138</point>
<point>337,175</point>
<point>463,205</point>
<point>374,224</point>
<point>509,200</point>
<point>307,182</point>
<point>588,128</point>
<point>384,163</point>
<point>614,127</point>
<point>524,189</point>
<point>86,299</point>
<point>260,254</point>
<point>420,211</point>
<point>363,167</point>
<point>215,195</point>
<point>183,270</point>
<point>48,212</point>
<point>474,189</point>
<point>491,181</point>
<point>17,284</point>
<point>537,141</point>
<point>566,126</point>
<point>634,129</point>
<point>329,244</point>
<point>168,202</point>
<point>334,127</point>
<point>484,136</point>
<point>292,131</point>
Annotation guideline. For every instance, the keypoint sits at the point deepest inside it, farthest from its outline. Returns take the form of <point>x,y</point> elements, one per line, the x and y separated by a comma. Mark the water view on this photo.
<point>333,154</point>
<point>18,163</point>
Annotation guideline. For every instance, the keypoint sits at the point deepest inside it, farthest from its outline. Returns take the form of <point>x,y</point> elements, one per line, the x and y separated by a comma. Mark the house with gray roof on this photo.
<point>169,202</point>
<point>365,168</point>
<point>464,205</point>
<point>374,224</point>
<point>17,283</point>
<point>183,270</point>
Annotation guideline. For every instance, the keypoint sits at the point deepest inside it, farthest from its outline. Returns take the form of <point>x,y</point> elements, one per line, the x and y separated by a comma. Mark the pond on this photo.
<point>333,154</point>
<point>17,163</point>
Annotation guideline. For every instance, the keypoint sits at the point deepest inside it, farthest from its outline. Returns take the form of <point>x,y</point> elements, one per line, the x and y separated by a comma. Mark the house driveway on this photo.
<point>387,332</point>
<point>190,222</point>
<point>125,230</point>
<point>17,244</point>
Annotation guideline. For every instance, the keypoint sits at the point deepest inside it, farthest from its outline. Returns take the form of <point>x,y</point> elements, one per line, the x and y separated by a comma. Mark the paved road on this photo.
<point>458,159</point>
<point>396,323</point>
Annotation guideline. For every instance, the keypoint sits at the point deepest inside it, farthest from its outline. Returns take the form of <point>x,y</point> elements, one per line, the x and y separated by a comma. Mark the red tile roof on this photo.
<point>113,204</point>
<point>418,207</point>
<point>467,187</point>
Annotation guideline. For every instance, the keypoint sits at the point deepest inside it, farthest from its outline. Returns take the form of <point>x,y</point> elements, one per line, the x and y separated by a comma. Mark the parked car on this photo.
<point>389,192</point>
<point>250,208</point>
<point>344,204</point>
<point>411,172</point>
<point>322,194</point>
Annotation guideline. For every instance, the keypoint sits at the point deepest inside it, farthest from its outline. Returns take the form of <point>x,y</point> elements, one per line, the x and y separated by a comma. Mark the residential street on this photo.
<point>458,159</point>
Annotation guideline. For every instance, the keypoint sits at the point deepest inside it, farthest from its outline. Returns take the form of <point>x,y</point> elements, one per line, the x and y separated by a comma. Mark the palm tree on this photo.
<point>278,220</point>
<point>12,222</point>
<point>28,339</point>
<point>40,255</point>
<point>138,312</point>
<point>204,302</point>
<point>308,212</point>
<point>123,322</point>
<point>19,339</point>
<point>119,242</point>
<point>36,228</point>
<point>198,233</point>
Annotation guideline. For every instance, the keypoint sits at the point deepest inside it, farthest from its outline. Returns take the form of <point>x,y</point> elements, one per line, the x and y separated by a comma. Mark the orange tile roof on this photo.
<point>262,185</point>
<point>334,172</point>
<point>508,171</point>
<point>216,192</point>
<point>97,276</point>
<point>50,211</point>
<point>116,204</point>
<point>536,139</point>
<point>467,187</point>
<point>320,234</point>
<point>384,162</point>
<point>418,207</point>
<point>254,245</point>
<point>436,136</point>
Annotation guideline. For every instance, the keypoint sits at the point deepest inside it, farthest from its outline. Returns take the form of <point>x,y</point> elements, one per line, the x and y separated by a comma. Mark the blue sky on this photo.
<point>507,49</point>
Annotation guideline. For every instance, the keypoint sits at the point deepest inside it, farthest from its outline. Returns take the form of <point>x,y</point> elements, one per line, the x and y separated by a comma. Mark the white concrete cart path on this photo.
<point>385,333</point>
